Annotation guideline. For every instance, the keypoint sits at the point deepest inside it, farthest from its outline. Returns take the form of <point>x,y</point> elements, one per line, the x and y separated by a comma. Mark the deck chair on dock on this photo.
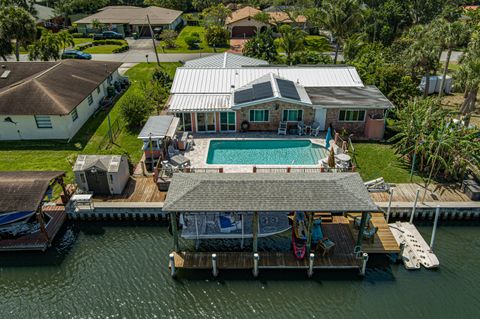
<point>319,240</point>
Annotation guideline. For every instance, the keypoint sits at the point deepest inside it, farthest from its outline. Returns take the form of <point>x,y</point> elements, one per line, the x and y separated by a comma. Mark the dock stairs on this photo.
<point>324,216</point>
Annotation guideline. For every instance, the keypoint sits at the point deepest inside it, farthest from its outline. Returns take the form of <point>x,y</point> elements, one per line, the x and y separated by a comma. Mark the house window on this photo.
<point>292,115</point>
<point>259,115</point>
<point>98,89</point>
<point>43,121</point>
<point>185,123</point>
<point>90,99</point>
<point>351,116</point>
<point>227,121</point>
<point>74,115</point>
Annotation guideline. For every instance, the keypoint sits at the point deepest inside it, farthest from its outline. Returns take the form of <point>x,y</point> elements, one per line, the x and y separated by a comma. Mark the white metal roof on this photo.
<point>159,126</point>
<point>226,80</point>
<point>224,60</point>
<point>199,102</point>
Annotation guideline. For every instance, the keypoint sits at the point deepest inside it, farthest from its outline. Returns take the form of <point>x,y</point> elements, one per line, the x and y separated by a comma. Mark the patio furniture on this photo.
<point>282,128</point>
<point>357,220</point>
<point>180,161</point>
<point>327,246</point>
<point>182,143</point>
<point>315,129</point>
<point>172,151</point>
<point>301,128</point>
<point>369,234</point>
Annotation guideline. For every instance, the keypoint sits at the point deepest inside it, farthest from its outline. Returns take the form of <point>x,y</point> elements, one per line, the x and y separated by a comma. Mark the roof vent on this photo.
<point>232,86</point>
<point>5,74</point>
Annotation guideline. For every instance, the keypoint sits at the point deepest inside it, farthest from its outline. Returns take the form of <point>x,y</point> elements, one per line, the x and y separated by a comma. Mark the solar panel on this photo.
<point>262,90</point>
<point>288,89</point>
<point>243,96</point>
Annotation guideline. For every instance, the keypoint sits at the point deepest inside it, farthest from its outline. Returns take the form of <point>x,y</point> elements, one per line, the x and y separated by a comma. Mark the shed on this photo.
<point>101,174</point>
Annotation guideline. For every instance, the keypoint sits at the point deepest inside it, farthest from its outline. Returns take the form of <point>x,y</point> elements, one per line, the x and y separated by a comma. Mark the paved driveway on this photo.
<point>140,44</point>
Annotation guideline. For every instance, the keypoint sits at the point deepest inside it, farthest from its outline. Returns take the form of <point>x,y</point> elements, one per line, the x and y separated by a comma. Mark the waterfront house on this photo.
<point>51,100</point>
<point>242,24</point>
<point>129,19</point>
<point>258,98</point>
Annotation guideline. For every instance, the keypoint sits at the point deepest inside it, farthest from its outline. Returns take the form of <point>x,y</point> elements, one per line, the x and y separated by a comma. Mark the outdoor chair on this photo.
<point>301,128</point>
<point>282,128</point>
<point>315,130</point>
<point>369,234</point>
<point>358,219</point>
<point>172,151</point>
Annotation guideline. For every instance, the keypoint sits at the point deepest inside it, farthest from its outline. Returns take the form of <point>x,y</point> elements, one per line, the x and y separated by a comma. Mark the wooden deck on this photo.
<point>37,240</point>
<point>384,242</point>
<point>341,258</point>
<point>435,193</point>
<point>138,189</point>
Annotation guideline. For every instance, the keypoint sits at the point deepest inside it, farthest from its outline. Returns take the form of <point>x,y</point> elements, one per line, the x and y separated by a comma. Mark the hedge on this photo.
<point>123,46</point>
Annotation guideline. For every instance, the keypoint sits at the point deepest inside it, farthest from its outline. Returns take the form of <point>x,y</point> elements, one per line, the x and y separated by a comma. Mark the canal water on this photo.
<point>98,271</point>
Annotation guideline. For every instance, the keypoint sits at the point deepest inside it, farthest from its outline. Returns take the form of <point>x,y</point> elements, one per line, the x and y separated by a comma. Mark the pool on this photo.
<point>265,152</point>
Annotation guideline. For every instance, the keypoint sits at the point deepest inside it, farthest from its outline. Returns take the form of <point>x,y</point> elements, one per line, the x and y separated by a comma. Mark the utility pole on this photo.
<point>153,40</point>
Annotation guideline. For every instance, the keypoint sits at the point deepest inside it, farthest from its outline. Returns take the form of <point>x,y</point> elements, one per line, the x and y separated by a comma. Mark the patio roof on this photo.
<point>199,102</point>
<point>159,126</point>
<point>243,192</point>
<point>352,97</point>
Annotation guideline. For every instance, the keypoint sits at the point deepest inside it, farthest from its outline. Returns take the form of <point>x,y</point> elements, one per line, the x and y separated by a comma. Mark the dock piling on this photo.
<point>364,264</point>
<point>310,264</point>
<point>256,257</point>
<point>214,265</point>
<point>435,223</point>
<point>414,206</point>
<point>389,204</point>
<point>172,265</point>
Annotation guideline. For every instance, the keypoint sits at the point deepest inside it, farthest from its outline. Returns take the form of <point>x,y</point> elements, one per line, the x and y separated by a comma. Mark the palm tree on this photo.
<point>469,73</point>
<point>46,48</point>
<point>423,52</point>
<point>341,18</point>
<point>17,24</point>
<point>66,39</point>
<point>450,35</point>
<point>291,40</point>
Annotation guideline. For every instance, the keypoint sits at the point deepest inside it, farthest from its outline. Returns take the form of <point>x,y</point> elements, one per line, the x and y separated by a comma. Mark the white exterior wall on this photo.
<point>118,180</point>
<point>62,125</point>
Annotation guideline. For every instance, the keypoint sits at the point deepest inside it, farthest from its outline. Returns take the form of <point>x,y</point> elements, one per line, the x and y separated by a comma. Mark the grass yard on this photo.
<point>182,46</point>
<point>101,49</point>
<point>91,139</point>
<point>376,160</point>
<point>78,41</point>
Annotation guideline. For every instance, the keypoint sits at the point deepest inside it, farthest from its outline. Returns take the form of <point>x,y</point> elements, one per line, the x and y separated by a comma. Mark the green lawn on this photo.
<point>182,46</point>
<point>78,41</point>
<point>376,160</point>
<point>60,155</point>
<point>102,49</point>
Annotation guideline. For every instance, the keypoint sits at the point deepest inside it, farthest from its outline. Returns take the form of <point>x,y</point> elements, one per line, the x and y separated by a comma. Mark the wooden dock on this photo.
<point>341,258</point>
<point>38,240</point>
<point>435,193</point>
<point>138,189</point>
<point>384,241</point>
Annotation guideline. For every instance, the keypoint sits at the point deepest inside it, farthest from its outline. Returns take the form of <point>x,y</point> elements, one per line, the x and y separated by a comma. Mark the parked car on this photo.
<point>108,35</point>
<point>76,54</point>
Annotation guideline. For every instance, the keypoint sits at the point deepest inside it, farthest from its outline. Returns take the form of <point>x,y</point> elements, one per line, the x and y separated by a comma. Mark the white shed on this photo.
<point>101,174</point>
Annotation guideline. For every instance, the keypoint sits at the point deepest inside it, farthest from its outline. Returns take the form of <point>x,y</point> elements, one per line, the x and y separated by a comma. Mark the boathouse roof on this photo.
<point>24,190</point>
<point>263,192</point>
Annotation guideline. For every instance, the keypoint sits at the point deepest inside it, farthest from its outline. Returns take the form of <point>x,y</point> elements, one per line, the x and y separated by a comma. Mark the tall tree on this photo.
<point>469,74</point>
<point>262,46</point>
<point>66,39</point>
<point>341,18</point>
<point>423,52</point>
<point>216,15</point>
<point>291,40</point>
<point>17,24</point>
<point>46,48</point>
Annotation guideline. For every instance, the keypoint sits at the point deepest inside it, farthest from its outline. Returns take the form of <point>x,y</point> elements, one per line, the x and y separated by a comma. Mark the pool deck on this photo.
<point>198,155</point>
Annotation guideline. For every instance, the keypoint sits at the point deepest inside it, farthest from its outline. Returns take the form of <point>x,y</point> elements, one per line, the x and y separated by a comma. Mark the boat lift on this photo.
<point>415,250</point>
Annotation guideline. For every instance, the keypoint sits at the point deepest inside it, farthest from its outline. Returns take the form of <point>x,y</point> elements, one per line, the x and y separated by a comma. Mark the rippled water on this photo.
<point>121,272</point>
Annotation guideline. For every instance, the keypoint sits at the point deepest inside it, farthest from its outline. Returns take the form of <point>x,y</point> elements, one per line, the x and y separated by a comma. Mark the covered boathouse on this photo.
<point>30,193</point>
<point>340,200</point>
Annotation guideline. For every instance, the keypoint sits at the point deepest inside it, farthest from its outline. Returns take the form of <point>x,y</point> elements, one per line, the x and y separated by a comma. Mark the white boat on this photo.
<point>416,251</point>
<point>231,225</point>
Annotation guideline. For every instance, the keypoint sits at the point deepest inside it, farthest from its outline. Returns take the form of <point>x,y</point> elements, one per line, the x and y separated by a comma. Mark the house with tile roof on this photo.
<point>51,100</point>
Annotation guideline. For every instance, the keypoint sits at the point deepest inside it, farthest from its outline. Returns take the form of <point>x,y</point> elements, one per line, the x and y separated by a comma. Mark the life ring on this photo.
<point>245,126</point>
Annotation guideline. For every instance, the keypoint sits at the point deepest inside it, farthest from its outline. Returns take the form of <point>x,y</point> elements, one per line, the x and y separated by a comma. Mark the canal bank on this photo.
<point>97,271</point>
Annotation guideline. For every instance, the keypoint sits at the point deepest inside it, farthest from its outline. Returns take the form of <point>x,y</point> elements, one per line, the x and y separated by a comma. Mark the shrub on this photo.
<point>195,34</point>
<point>78,35</point>
<point>162,77</point>
<point>317,43</point>
<point>111,42</point>
<point>84,46</point>
<point>311,57</point>
<point>169,36</point>
<point>121,49</point>
<point>217,36</point>
<point>192,42</point>
<point>135,108</point>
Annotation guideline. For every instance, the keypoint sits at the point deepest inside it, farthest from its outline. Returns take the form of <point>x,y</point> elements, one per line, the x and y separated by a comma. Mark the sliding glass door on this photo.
<point>227,121</point>
<point>206,122</point>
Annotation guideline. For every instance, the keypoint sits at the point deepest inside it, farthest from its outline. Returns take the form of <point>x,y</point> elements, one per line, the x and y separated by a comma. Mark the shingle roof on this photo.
<point>198,192</point>
<point>50,88</point>
<point>224,60</point>
<point>24,190</point>
<point>250,12</point>
<point>133,15</point>
<point>353,97</point>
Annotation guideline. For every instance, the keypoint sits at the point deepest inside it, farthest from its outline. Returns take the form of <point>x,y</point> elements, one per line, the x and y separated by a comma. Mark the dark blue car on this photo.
<point>76,54</point>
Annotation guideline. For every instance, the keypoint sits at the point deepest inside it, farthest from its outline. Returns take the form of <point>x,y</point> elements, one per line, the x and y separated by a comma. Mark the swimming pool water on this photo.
<point>265,152</point>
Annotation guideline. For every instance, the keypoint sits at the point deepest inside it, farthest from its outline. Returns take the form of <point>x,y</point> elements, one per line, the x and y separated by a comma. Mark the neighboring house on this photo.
<point>224,60</point>
<point>51,100</point>
<point>129,19</point>
<point>260,97</point>
<point>46,17</point>
<point>242,24</point>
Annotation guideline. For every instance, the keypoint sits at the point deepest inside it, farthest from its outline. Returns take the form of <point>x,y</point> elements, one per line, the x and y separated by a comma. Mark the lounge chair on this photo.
<point>315,130</point>
<point>282,128</point>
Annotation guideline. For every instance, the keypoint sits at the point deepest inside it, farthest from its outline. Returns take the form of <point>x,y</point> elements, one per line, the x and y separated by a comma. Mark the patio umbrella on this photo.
<point>328,138</point>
